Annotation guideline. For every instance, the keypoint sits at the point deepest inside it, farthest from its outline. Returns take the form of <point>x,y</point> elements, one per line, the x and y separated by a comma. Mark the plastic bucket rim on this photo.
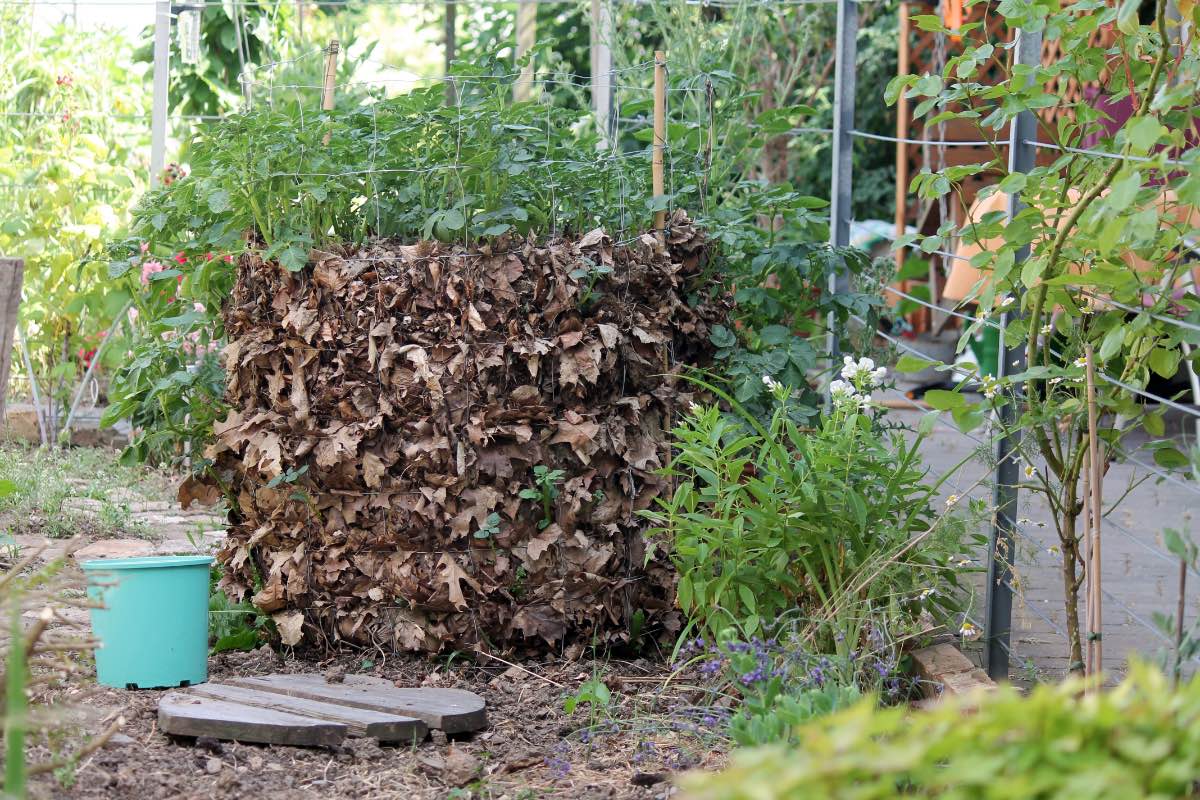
<point>144,562</point>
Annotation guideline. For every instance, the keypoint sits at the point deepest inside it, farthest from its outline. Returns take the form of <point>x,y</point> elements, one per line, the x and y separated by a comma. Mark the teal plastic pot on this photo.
<point>153,625</point>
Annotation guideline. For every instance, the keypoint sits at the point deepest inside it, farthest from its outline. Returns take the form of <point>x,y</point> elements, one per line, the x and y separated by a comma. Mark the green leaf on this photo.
<point>910,363</point>
<point>245,639</point>
<point>1164,361</point>
<point>218,202</point>
<point>944,400</point>
<point>293,258</point>
<point>1170,458</point>
<point>747,598</point>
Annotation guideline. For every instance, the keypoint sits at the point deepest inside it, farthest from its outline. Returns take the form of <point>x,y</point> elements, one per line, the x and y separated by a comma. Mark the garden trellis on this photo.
<point>607,88</point>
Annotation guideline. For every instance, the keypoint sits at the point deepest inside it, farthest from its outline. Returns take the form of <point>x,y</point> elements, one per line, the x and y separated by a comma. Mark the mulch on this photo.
<point>531,748</point>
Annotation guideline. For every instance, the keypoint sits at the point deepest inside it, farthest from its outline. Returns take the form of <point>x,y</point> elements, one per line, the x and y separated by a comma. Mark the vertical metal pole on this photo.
<point>1021,158</point>
<point>601,52</point>
<point>162,79</point>
<point>841,185</point>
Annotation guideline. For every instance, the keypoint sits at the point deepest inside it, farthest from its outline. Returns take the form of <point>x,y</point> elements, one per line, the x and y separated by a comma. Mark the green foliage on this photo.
<point>544,492</point>
<point>233,626</point>
<point>1095,227</point>
<point>782,313</point>
<point>1139,740</point>
<point>593,692</point>
<point>67,175</point>
<point>210,87</point>
<point>765,518</point>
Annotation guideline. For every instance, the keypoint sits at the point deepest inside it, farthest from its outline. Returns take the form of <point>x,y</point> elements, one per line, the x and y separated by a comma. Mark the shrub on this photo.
<point>768,518</point>
<point>1139,740</point>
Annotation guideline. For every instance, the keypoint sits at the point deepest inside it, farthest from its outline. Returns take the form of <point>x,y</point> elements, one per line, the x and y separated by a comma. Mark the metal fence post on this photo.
<point>162,77</point>
<point>842,184</point>
<point>1022,155</point>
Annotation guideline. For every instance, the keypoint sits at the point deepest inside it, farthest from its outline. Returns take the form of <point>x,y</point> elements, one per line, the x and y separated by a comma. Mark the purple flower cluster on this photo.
<point>557,762</point>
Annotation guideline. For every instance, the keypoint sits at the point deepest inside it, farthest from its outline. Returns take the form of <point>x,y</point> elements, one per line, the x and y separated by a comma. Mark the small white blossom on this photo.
<point>962,561</point>
<point>694,407</point>
<point>1053,550</point>
<point>770,383</point>
<point>951,501</point>
<point>878,375</point>
<point>1030,471</point>
<point>1047,329</point>
<point>1005,301</point>
<point>840,390</point>
<point>926,593</point>
<point>1081,362</point>
<point>969,631</point>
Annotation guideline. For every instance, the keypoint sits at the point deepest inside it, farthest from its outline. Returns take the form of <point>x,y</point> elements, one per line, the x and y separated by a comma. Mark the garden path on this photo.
<point>1140,578</point>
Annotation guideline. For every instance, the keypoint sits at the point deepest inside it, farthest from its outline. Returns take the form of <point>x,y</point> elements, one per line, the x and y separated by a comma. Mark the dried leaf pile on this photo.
<point>390,404</point>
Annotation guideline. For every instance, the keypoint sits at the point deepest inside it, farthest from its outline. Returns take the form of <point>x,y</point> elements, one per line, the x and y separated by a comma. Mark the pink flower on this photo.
<point>133,315</point>
<point>180,258</point>
<point>145,247</point>
<point>149,268</point>
<point>208,256</point>
<point>228,258</point>
<point>198,308</point>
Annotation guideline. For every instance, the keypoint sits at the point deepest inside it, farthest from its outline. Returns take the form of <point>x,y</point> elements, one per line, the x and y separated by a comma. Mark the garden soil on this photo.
<point>392,406</point>
<point>630,748</point>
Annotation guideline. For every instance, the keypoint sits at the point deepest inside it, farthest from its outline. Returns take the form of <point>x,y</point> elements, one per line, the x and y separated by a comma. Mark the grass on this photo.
<point>45,480</point>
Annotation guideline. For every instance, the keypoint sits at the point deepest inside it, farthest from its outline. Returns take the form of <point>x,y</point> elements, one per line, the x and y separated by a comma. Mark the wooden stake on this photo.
<point>330,81</point>
<point>660,138</point>
<point>1089,607</point>
<point>1096,466</point>
<point>526,38</point>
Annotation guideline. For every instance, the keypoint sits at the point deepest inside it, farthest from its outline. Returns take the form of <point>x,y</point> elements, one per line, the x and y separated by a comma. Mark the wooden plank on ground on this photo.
<point>448,710</point>
<point>186,714</point>
<point>358,721</point>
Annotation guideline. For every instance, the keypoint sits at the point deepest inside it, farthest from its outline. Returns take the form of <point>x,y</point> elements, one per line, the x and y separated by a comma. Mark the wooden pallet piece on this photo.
<point>447,710</point>
<point>358,721</point>
<point>187,714</point>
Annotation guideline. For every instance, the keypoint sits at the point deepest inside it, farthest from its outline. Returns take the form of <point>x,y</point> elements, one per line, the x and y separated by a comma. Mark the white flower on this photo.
<point>991,387</point>
<point>1053,550</point>
<point>771,383</point>
<point>840,390</point>
<point>1005,301</point>
<point>1081,361</point>
<point>695,407</point>
<point>962,561</point>
<point>951,501</point>
<point>969,631</point>
<point>862,373</point>
<point>1030,471</point>
<point>864,402</point>
<point>926,593</point>
<point>1047,329</point>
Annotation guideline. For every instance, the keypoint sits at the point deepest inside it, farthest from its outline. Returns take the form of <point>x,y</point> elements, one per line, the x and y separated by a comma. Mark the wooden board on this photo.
<point>188,714</point>
<point>358,721</point>
<point>448,710</point>
<point>12,272</point>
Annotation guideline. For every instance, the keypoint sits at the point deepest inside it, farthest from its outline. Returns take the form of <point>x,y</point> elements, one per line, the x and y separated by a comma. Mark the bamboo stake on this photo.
<point>1096,467</point>
<point>526,39</point>
<point>1089,605</point>
<point>660,128</point>
<point>330,82</point>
